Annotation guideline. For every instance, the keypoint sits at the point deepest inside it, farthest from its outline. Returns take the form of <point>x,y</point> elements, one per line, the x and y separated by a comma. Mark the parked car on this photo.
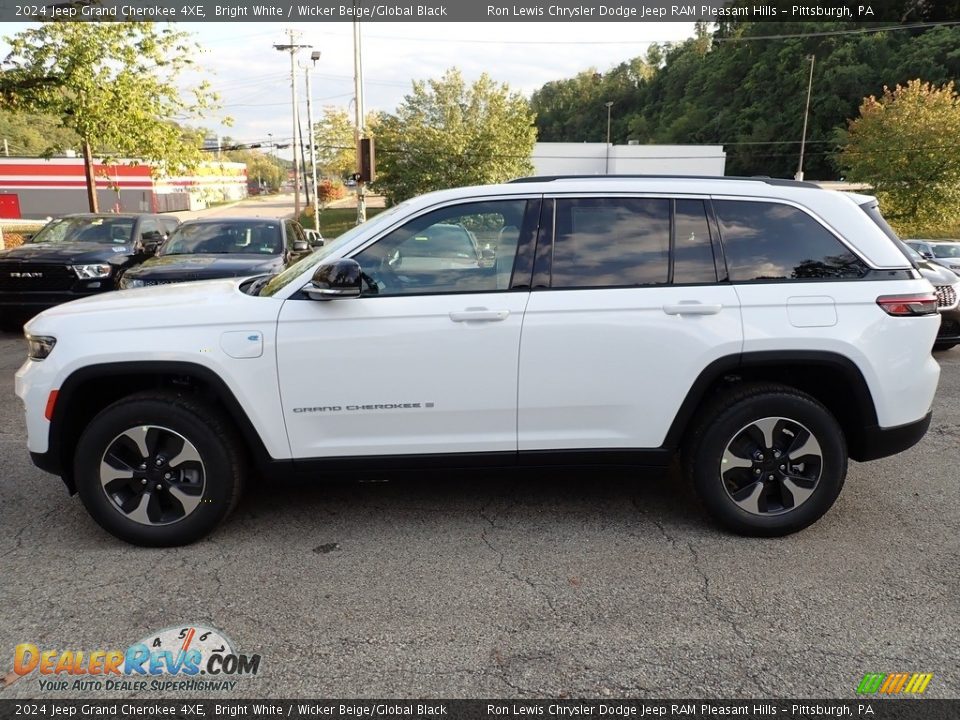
<point>216,248</point>
<point>75,256</point>
<point>947,287</point>
<point>766,330</point>
<point>314,237</point>
<point>942,252</point>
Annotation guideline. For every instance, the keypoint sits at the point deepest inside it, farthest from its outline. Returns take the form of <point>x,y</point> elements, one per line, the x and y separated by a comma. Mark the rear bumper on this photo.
<point>877,442</point>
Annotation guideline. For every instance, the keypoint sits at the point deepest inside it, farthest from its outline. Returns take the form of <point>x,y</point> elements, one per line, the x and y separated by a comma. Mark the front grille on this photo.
<point>946,296</point>
<point>149,283</point>
<point>34,276</point>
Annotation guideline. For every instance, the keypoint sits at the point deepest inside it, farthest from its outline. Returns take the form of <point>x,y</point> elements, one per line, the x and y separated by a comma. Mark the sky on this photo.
<point>253,79</point>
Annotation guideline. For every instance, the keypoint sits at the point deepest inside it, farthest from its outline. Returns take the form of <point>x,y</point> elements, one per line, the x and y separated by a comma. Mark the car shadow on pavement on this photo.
<point>578,495</point>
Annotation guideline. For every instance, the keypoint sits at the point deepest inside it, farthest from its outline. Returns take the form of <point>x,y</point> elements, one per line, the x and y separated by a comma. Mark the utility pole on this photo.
<point>314,56</point>
<point>609,105</point>
<point>806,115</point>
<point>293,48</point>
<point>358,106</point>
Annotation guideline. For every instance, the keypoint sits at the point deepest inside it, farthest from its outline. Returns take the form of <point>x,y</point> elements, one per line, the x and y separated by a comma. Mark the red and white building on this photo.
<point>40,188</point>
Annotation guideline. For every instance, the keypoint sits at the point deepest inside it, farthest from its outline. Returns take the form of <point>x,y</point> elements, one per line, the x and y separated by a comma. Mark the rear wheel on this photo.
<point>767,459</point>
<point>158,469</point>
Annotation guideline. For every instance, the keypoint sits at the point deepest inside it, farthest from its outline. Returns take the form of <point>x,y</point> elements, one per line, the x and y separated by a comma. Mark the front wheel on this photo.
<point>158,469</point>
<point>767,459</point>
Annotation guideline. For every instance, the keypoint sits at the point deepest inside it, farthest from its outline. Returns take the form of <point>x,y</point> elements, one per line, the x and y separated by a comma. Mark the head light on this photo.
<point>126,282</point>
<point>39,346</point>
<point>92,272</point>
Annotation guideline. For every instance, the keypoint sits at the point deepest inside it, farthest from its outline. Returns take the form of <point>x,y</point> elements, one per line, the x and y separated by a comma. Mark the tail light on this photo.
<point>909,305</point>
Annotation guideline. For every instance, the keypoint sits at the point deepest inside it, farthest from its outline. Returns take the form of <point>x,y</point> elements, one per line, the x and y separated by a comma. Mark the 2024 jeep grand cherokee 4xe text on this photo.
<point>767,330</point>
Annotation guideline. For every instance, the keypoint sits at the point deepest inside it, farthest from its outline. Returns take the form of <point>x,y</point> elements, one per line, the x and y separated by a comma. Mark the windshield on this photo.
<point>118,230</point>
<point>281,280</point>
<point>951,250</point>
<point>255,237</point>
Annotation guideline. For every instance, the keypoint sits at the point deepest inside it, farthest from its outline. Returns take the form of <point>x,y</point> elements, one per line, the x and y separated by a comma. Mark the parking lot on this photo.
<point>588,584</point>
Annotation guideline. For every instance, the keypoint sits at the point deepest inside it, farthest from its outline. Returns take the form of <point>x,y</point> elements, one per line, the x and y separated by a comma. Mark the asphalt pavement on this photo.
<point>278,206</point>
<point>586,584</point>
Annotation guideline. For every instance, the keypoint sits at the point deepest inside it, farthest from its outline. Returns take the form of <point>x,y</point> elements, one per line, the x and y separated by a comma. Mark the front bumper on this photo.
<point>949,327</point>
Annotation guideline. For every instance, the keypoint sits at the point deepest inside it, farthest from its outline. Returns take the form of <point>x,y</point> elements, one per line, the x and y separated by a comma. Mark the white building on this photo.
<point>603,159</point>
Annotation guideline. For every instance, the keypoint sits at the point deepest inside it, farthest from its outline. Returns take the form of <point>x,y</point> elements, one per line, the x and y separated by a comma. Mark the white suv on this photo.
<point>766,329</point>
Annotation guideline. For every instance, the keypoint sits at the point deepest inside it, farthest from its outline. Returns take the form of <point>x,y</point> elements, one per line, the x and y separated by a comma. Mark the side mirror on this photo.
<point>300,246</point>
<point>338,279</point>
<point>151,240</point>
<point>928,255</point>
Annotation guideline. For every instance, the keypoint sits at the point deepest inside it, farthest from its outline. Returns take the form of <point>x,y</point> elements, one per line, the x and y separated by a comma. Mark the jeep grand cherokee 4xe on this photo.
<point>766,330</point>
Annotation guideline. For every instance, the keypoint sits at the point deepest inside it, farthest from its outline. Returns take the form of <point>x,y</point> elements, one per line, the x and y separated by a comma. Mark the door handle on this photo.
<point>479,315</point>
<point>692,308</point>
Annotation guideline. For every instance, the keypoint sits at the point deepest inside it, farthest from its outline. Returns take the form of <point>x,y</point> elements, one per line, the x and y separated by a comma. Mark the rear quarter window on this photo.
<point>773,241</point>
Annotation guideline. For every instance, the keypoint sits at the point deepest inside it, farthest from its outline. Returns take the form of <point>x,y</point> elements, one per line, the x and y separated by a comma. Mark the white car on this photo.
<point>765,329</point>
<point>942,252</point>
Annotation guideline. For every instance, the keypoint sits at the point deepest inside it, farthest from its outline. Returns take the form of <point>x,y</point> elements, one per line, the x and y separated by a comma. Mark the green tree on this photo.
<point>904,144</point>
<point>336,142</point>
<point>114,85</point>
<point>261,167</point>
<point>446,134</point>
<point>33,134</point>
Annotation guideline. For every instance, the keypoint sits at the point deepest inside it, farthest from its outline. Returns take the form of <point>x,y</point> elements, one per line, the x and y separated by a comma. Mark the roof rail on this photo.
<point>754,178</point>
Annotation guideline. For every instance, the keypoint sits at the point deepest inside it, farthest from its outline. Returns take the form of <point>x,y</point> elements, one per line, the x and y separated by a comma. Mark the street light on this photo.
<point>806,115</point>
<point>314,195</point>
<point>609,105</point>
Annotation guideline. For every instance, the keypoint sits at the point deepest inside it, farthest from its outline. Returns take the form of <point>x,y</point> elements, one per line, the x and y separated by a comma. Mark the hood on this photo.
<point>81,253</point>
<point>937,274</point>
<point>204,267</point>
<point>210,303</point>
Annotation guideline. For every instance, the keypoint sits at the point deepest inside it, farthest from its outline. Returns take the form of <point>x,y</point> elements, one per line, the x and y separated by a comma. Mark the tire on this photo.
<point>745,429</point>
<point>943,347</point>
<point>183,497</point>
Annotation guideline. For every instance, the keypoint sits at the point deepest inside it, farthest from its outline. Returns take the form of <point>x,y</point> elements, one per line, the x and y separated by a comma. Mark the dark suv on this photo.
<point>212,248</point>
<point>73,257</point>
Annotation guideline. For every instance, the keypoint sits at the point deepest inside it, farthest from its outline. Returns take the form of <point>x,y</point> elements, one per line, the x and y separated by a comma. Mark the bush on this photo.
<point>330,190</point>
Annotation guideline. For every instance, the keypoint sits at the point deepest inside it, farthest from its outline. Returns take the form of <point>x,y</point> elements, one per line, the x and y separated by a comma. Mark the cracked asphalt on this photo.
<point>584,584</point>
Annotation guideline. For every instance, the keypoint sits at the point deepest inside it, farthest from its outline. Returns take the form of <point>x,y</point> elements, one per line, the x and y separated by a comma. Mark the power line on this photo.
<point>829,33</point>
<point>659,41</point>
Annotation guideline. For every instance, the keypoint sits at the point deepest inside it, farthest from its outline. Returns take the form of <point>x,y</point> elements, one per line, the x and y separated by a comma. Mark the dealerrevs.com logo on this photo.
<point>191,657</point>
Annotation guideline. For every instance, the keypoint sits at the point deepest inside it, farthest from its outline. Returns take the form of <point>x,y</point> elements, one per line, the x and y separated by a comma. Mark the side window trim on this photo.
<point>719,254</point>
<point>543,255</point>
<point>521,277</point>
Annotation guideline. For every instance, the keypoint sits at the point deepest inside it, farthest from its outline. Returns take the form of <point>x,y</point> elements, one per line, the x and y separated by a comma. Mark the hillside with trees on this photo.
<point>744,86</point>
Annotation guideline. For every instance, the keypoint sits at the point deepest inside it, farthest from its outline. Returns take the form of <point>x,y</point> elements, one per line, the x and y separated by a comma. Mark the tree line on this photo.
<point>744,86</point>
